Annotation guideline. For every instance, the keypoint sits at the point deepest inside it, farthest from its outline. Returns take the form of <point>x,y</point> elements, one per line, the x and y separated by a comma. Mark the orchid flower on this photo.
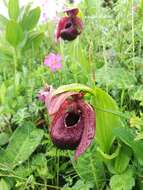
<point>72,120</point>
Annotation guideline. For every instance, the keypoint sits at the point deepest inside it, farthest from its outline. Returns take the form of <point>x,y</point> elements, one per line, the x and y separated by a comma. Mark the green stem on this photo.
<point>122,98</point>
<point>15,61</point>
<point>133,41</point>
<point>58,160</point>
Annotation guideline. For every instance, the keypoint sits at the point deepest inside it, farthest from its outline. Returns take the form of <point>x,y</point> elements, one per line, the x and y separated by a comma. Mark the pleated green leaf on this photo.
<point>106,119</point>
<point>22,144</point>
<point>90,167</point>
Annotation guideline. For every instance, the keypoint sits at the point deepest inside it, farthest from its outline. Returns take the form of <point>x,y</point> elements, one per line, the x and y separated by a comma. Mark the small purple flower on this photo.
<point>53,61</point>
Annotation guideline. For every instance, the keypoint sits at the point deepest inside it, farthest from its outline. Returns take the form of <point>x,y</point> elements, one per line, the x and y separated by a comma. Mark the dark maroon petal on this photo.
<point>69,34</point>
<point>60,26</point>
<point>89,127</point>
<point>67,126</point>
<point>72,12</point>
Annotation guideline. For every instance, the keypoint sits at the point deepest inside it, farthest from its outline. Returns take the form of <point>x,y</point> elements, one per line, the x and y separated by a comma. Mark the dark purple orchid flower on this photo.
<point>73,120</point>
<point>70,26</point>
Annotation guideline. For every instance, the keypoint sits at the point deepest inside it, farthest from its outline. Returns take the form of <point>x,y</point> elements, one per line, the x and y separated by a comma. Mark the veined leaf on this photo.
<point>126,135</point>
<point>13,9</point>
<point>74,87</point>
<point>121,162</point>
<point>31,19</point>
<point>14,33</point>
<point>4,138</point>
<point>3,21</point>
<point>105,120</point>
<point>23,142</point>
<point>115,77</point>
<point>4,185</point>
<point>123,181</point>
<point>34,41</point>
<point>37,164</point>
<point>90,167</point>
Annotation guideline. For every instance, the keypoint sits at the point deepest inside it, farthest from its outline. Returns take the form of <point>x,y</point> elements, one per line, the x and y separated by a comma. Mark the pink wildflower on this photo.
<point>53,61</point>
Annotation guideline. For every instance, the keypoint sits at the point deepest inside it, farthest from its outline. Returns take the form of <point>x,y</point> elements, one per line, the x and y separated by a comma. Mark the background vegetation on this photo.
<point>108,54</point>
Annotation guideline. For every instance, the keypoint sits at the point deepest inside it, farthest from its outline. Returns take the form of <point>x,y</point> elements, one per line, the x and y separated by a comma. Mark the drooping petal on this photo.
<point>60,26</point>
<point>89,128</point>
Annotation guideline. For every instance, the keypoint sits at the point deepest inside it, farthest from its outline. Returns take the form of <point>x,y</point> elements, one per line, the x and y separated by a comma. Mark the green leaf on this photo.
<point>106,119</point>
<point>38,165</point>
<point>3,21</point>
<point>23,142</point>
<point>121,162</point>
<point>4,138</point>
<point>4,185</point>
<point>127,136</point>
<point>14,33</point>
<point>33,41</point>
<point>6,53</point>
<point>123,181</point>
<point>115,77</point>
<point>3,90</point>
<point>80,184</point>
<point>90,167</point>
<point>30,20</point>
<point>138,94</point>
<point>111,156</point>
<point>74,87</point>
<point>13,9</point>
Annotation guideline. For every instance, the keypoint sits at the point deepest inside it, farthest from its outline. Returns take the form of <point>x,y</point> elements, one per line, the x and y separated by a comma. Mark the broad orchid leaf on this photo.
<point>106,120</point>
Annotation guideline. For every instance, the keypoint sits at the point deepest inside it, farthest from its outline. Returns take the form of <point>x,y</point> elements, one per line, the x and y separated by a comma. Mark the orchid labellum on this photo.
<point>70,26</point>
<point>73,120</point>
